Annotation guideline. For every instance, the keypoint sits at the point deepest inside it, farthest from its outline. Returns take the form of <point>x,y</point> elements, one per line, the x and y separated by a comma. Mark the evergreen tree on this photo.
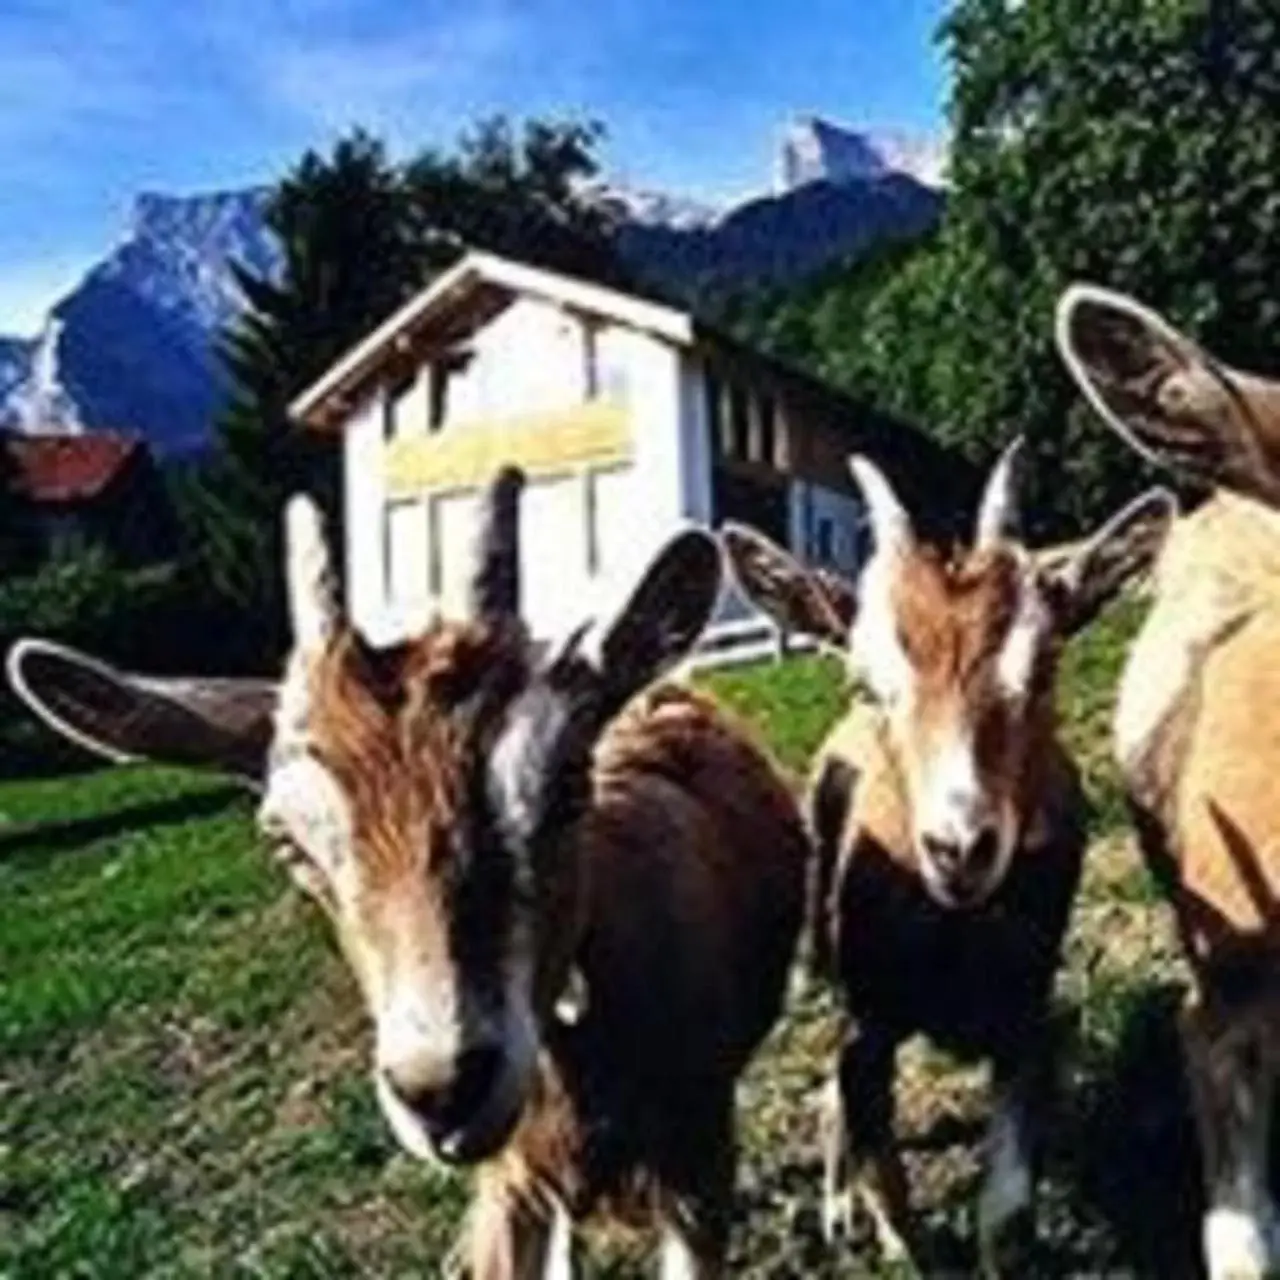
<point>359,234</point>
<point>349,256</point>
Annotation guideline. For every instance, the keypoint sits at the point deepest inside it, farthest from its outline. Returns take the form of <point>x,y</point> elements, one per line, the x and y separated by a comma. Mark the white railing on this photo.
<point>737,640</point>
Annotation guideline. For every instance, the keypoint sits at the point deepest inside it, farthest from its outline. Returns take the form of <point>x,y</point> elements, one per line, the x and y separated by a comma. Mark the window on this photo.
<point>388,414</point>
<point>591,515</point>
<point>613,376</point>
<point>435,569</point>
<point>766,431</point>
<point>736,430</point>
<point>409,547</point>
<point>399,418</point>
<point>438,391</point>
<point>824,540</point>
<point>739,424</point>
<point>614,502</point>
<point>590,360</point>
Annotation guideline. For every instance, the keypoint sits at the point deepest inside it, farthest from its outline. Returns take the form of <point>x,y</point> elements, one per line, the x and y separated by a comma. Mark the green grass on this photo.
<point>182,1080</point>
<point>792,704</point>
<point>183,1060</point>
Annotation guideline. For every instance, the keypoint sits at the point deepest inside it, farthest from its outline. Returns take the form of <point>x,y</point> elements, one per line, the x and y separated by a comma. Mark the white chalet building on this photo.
<point>629,418</point>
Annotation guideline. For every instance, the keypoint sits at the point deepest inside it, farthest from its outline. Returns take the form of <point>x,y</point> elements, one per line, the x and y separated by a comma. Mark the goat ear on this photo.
<point>221,724</point>
<point>1084,580</point>
<point>812,602</point>
<point>1173,402</point>
<point>536,764</point>
<point>665,614</point>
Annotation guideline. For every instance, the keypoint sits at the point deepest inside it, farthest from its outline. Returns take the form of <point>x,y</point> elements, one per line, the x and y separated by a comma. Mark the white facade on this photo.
<point>610,413</point>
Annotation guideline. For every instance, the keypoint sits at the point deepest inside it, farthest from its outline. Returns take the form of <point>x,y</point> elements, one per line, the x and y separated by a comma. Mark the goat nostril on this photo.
<point>945,854</point>
<point>477,1074</point>
<point>449,1106</point>
<point>423,1098</point>
<point>982,857</point>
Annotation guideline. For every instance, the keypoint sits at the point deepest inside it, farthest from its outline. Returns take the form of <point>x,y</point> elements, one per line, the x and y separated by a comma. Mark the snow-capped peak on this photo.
<point>650,208</point>
<point>41,403</point>
<point>812,149</point>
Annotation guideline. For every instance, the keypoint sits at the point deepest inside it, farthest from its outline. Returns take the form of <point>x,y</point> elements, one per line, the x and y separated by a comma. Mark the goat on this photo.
<point>948,820</point>
<point>1197,732</point>
<point>571,897</point>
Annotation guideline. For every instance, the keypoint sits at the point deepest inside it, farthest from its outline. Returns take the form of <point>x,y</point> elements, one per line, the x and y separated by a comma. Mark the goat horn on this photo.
<point>999,514</point>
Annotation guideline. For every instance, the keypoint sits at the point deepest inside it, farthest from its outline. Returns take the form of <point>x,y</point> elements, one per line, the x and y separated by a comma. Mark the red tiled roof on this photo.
<point>57,468</point>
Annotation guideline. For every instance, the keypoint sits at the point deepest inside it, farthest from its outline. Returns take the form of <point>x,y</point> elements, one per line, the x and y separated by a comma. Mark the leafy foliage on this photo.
<point>515,193</point>
<point>82,597</point>
<point>1132,142</point>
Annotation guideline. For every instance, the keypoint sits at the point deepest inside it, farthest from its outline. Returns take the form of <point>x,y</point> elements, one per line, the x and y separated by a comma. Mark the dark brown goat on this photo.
<point>571,906</point>
<point>948,820</point>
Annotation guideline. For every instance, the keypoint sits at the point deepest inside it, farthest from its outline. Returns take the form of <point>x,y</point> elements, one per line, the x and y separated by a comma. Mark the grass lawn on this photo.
<point>183,1086</point>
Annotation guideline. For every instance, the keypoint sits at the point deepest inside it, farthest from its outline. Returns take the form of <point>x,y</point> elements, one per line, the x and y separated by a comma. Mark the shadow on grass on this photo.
<point>1120,1195</point>
<point>51,836</point>
<point>1131,1155</point>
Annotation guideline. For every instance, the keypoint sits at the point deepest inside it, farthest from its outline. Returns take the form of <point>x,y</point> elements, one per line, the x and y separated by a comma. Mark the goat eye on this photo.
<point>993,730</point>
<point>272,827</point>
<point>303,871</point>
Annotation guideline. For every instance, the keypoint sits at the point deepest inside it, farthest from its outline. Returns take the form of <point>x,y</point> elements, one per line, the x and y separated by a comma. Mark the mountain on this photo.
<point>812,149</point>
<point>780,238</point>
<point>645,207</point>
<point>15,364</point>
<point>132,347</point>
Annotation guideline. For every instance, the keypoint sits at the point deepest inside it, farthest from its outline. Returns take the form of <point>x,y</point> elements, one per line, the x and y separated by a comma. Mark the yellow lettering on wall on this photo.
<point>543,445</point>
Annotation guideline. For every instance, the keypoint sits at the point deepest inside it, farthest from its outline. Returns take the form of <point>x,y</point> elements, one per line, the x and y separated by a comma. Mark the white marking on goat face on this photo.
<point>958,653</point>
<point>304,806</point>
<point>966,829</point>
<point>1024,644</point>
<point>875,647</point>
<point>374,791</point>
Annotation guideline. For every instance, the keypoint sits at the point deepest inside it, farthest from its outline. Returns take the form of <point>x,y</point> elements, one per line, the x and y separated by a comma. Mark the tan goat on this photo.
<point>491,830</point>
<point>948,819</point>
<point>1197,731</point>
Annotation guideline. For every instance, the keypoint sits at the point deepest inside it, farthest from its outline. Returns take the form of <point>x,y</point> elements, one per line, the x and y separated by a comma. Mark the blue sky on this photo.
<point>100,99</point>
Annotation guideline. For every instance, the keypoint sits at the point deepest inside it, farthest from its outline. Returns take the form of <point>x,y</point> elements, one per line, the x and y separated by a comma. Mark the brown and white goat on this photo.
<point>490,826</point>
<point>1197,731</point>
<point>948,819</point>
